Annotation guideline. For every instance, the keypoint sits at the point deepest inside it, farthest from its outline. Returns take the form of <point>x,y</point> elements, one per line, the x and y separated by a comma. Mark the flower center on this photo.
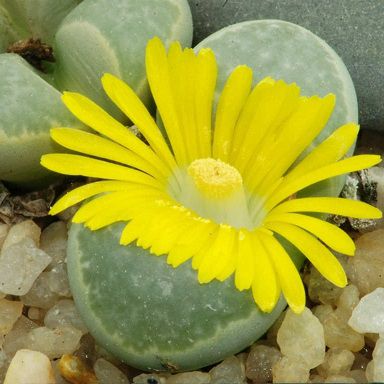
<point>215,179</point>
<point>214,190</point>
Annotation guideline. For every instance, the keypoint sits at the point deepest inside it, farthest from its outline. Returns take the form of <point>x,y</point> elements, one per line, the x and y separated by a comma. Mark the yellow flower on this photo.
<point>217,193</point>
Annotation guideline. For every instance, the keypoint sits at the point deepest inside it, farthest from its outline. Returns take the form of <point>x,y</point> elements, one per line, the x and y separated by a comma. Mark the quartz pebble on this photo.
<point>290,370</point>
<point>339,379</point>
<point>367,266</point>
<point>20,265</point>
<point>10,311</point>
<point>64,313</point>
<point>58,280</point>
<point>40,295</point>
<point>190,378</point>
<point>301,337</point>
<point>230,370</point>
<point>259,363</point>
<point>321,290</point>
<point>378,361</point>
<point>15,339</point>
<point>107,373</point>
<point>337,361</point>
<point>30,367</point>
<point>151,378</point>
<point>53,241</point>
<point>3,233</point>
<point>53,342</point>
<point>337,332</point>
<point>24,230</point>
<point>368,316</point>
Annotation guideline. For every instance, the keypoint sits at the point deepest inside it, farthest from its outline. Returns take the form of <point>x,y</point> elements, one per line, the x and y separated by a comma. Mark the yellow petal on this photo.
<point>322,259</point>
<point>127,100</point>
<point>159,81</point>
<point>92,115</point>
<point>265,286</point>
<point>76,165</point>
<point>245,268</point>
<point>330,150</point>
<point>201,232</point>
<point>95,145</point>
<point>351,164</point>
<point>331,205</point>
<point>204,91</point>
<point>218,254</point>
<point>231,102</point>
<point>329,234</point>
<point>289,278</point>
<point>79,194</point>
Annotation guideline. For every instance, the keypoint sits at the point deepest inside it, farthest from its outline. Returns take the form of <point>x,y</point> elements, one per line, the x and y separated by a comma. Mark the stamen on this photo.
<point>214,190</point>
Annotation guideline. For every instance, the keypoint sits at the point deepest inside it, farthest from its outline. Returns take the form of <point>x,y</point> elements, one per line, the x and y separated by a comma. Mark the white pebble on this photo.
<point>24,230</point>
<point>53,342</point>
<point>64,313</point>
<point>231,369</point>
<point>368,316</point>
<point>54,241</point>
<point>20,265</point>
<point>107,373</point>
<point>29,367</point>
<point>4,228</point>
<point>339,379</point>
<point>10,311</point>
<point>58,280</point>
<point>301,337</point>
<point>378,362</point>
<point>190,378</point>
<point>290,370</point>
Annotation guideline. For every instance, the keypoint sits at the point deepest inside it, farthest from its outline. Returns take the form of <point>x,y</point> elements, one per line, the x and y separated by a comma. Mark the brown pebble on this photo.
<point>75,371</point>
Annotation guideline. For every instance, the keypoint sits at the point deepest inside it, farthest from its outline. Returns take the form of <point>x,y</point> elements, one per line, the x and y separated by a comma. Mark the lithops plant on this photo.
<point>215,201</point>
<point>85,39</point>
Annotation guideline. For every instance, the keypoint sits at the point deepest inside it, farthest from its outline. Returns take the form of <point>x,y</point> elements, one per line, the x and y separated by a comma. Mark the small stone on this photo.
<point>10,311</point>
<point>20,265</point>
<point>321,290</point>
<point>301,337</point>
<point>337,361</point>
<point>358,375</point>
<point>58,280</point>
<point>337,332</point>
<point>316,379</point>
<point>290,370</point>
<point>150,378</point>
<point>367,316</point>
<point>4,228</point>
<point>230,370</point>
<point>107,373</point>
<point>24,230</point>
<point>40,295</point>
<point>322,311</point>
<point>378,362</point>
<point>34,313</point>
<point>53,342</point>
<point>369,371</point>
<point>272,332</point>
<point>75,371</point>
<point>16,338</point>
<point>64,313</point>
<point>259,363</point>
<point>53,241</point>
<point>30,367</point>
<point>339,379</point>
<point>190,378</point>
<point>367,265</point>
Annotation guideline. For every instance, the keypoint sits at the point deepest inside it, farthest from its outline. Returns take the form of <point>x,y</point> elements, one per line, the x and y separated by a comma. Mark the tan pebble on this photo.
<point>21,231</point>
<point>290,370</point>
<point>75,371</point>
<point>30,367</point>
<point>339,379</point>
<point>358,375</point>
<point>337,361</point>
<point>189,378</point>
